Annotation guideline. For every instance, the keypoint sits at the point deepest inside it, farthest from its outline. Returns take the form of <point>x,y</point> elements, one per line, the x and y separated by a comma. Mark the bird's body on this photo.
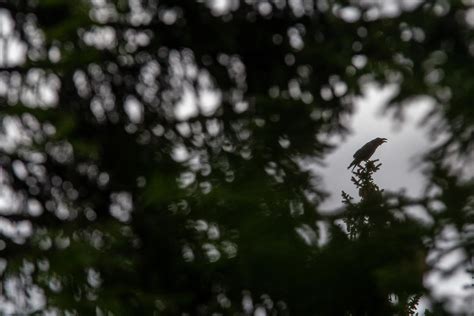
<point>366,151</point>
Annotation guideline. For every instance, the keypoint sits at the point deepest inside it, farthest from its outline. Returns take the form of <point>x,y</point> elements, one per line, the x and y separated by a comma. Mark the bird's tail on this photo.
<point>353,163</point>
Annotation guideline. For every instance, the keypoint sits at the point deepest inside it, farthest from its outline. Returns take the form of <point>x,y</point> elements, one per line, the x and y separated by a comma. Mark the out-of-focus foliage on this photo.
<point>152,154</point>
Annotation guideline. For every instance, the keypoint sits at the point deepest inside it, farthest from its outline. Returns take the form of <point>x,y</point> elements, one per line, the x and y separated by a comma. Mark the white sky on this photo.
<point>406,142</point>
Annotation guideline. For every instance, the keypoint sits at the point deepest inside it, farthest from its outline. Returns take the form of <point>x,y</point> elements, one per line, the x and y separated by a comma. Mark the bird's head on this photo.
<point>379,141</point>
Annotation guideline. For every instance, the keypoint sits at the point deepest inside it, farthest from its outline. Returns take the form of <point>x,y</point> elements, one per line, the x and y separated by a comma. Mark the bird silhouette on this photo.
<point>366,151</point>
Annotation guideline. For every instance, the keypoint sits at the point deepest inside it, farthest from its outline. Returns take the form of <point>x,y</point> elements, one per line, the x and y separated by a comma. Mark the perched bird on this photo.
<point>366,151</point>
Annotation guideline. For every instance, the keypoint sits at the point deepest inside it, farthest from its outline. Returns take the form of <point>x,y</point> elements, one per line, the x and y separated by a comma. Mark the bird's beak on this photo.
<point>384,140</point>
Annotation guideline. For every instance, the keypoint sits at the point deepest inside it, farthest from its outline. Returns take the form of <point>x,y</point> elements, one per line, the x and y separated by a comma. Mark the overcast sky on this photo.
<point>406,142</point>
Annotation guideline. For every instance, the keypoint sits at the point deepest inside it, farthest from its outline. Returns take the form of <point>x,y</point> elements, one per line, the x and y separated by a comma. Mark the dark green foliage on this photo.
<point>387,249</point>
<point>138,209</point>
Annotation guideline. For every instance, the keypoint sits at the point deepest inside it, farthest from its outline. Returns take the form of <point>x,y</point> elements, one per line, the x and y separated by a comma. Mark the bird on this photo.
<point>366,151</point>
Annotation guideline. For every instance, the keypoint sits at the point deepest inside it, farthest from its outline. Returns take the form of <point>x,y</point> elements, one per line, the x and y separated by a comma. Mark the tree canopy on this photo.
<point>153,154</point>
